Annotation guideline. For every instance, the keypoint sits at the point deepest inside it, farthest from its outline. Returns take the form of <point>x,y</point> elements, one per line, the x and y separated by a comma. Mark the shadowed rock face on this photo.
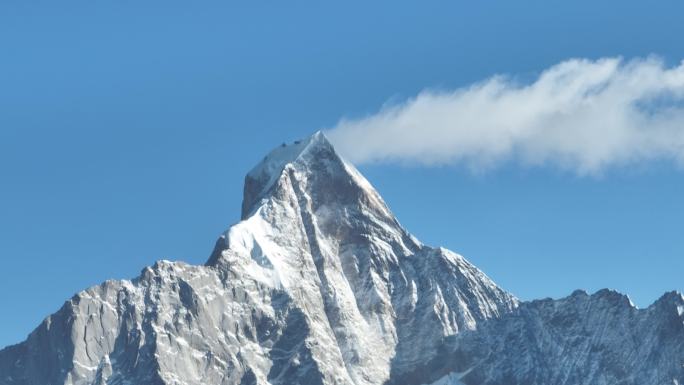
<point>320,284</point>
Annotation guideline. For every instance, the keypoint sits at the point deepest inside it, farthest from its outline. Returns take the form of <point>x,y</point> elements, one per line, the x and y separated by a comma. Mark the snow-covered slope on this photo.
<point>318,284</point>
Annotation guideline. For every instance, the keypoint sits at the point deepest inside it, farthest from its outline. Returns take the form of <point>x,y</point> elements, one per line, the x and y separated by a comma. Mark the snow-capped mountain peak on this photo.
<point>320,284</point>
<point>310,215</point>
<point>315,164</point>
<point>266,173</point>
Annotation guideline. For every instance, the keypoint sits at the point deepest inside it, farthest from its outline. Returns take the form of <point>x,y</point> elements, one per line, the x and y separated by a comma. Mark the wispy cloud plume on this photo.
<point>582,115</point>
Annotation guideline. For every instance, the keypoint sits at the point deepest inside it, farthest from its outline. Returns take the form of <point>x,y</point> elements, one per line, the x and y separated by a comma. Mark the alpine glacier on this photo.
<point>320,284</point>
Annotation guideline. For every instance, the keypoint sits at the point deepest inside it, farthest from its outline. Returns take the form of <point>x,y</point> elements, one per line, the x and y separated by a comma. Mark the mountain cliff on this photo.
<point>320,284</point>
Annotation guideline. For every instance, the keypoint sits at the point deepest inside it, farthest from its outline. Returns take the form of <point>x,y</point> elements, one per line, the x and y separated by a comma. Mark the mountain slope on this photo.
<point>318,284</point>
<point>598,339</point>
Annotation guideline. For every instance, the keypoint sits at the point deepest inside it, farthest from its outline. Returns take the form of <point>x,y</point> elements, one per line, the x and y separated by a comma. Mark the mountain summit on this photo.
<point>315,228</point>
<point>320,284</point>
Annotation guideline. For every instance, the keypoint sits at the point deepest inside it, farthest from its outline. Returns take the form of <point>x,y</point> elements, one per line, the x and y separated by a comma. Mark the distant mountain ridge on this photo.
<point>320,284</point>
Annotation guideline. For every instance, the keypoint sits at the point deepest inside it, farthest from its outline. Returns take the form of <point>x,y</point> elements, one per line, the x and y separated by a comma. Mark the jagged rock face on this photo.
<point>320,284</point>
<point>600,339</point>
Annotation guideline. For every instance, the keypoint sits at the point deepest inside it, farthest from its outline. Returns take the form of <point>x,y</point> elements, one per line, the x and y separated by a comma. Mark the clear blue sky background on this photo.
<point>126,128</point>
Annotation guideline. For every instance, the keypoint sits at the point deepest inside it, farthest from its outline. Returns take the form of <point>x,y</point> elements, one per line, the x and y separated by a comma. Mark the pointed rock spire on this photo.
<point>319,172</point>
<point>262,178</point>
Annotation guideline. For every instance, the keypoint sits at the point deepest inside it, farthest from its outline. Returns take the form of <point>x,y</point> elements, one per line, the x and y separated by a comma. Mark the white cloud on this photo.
<point>583,115</point>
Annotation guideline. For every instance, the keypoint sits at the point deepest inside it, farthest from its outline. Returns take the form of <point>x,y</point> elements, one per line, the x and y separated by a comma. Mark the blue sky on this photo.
<point>126,129</point>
